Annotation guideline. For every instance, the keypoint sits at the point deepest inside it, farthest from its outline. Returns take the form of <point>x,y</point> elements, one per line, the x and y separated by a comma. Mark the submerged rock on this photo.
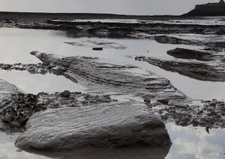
<point>205,66</point>
<point>172,40</point>
<point>191,54</point>
<point>105,125</point>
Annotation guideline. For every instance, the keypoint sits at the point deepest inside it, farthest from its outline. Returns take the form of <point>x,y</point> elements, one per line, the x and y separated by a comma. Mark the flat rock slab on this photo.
<point>102,77</point>
<point>99,126</point>
<point>200,65</point>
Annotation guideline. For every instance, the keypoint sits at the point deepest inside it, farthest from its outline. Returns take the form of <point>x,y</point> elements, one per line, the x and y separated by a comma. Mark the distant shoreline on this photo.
<point>85,15</point>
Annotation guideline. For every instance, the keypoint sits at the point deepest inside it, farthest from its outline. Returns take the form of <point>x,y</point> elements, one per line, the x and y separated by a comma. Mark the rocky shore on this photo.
<point>74,120</point>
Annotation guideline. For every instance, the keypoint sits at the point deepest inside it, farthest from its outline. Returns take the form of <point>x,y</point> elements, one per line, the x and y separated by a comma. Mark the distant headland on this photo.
<point>209,9</point>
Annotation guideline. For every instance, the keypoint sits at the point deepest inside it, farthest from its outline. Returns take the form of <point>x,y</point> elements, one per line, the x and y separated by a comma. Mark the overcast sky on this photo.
<point>143,7</point>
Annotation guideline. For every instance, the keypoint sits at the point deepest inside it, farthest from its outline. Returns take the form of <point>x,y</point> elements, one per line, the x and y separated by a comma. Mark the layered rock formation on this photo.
<point>105,125</point>
<point>201,65</point>
<point>105,77</point>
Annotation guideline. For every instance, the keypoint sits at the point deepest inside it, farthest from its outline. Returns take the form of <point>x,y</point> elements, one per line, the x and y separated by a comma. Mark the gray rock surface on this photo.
<point>103,77</point>
<point>6,92</point>
<point>110,153</point>
<point>201,65</point>
<point>104,125</point>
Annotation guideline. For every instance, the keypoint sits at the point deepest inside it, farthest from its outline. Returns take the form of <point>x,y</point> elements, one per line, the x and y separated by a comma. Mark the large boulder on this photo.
<point>104,125</point>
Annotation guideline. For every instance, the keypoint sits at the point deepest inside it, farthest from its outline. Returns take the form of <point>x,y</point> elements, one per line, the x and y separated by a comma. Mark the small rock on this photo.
<point>7,118</point>
<point>65,94</point>
<point>148,101</point>
<point>15,124</point>
<point>163,101</point>
<point>164,117</point>
<point>97,48</point>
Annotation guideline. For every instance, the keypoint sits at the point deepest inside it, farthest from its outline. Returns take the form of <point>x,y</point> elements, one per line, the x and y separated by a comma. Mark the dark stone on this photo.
<point>190,54</point>
<point>163,101</point>
<point>209,9</point>
<point>148,101</point>
<point>7,118</point>
<point>97,48</point>
<point>65,94</point>
<point>15,124</point>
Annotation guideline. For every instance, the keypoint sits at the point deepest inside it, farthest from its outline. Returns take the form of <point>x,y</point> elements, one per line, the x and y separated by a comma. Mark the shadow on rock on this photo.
<point>115,153</point>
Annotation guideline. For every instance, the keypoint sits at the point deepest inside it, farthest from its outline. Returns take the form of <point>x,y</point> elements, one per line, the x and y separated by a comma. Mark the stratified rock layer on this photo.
<point>106,77</point>
<point>106,125</point>
<point>201,65</point>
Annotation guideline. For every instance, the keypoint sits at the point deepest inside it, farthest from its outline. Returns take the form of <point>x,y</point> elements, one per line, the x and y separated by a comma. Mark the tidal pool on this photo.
<point>188,142</point>
<point>36,83</point>
<point>18,43</point>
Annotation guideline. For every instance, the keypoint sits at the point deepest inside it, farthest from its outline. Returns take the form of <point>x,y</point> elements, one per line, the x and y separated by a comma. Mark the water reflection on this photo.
<point>9,151</point>
<point>196,143</point>
<point>193,88</point>
<point>35,83</point>
<point>18,43</point>
<point>188,143</point>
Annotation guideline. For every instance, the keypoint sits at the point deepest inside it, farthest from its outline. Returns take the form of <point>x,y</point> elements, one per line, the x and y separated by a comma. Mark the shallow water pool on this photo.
<point>188,142</point>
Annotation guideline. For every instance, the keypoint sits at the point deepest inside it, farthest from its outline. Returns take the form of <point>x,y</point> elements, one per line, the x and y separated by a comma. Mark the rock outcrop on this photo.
<point>106,77</point>
<point>7,92</point>
<point>209,9</point>
<point>105,125</point>
<point>201,65</point>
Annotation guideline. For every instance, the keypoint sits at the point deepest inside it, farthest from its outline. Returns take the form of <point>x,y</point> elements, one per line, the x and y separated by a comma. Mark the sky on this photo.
<point>133,7</point>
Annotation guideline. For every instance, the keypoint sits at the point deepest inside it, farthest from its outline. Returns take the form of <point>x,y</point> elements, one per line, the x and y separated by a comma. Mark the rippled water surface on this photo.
<point>188,142</point>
